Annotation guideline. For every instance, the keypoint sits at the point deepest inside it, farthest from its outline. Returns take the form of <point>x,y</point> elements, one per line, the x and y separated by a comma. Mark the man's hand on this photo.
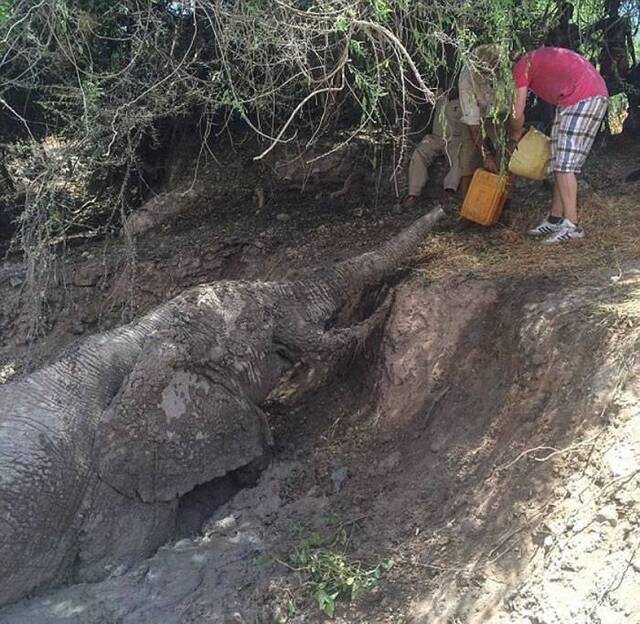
<point>490,163</point>
<point>516,123</point>
<point>512,145</point>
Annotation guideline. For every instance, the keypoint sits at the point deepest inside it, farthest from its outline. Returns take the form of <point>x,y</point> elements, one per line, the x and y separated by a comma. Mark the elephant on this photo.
<point>97,449</point>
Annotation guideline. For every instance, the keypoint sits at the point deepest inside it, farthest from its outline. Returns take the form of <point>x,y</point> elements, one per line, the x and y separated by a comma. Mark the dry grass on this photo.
<point>610,216</point>
<point>627,308</point>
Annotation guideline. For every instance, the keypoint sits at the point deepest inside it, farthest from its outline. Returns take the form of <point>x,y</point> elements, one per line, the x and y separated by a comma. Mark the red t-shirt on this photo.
<point>558,76</point>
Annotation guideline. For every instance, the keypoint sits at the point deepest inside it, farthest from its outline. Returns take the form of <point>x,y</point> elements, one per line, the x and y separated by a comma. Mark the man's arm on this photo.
<point>485,148</point>
<point>476,135</point>
<point>472,117</point>
<point>516,123</point>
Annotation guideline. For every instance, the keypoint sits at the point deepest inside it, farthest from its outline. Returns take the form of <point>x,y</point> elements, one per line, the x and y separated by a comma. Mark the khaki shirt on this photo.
<point>477,96</point>
<point>446,122</point>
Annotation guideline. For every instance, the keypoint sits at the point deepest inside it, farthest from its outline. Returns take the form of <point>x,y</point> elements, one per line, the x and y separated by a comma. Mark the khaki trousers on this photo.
<point>470,156</point>
<point>423,156</point>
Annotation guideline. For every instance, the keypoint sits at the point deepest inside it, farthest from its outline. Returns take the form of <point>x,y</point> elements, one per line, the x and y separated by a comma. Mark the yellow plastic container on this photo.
<point>531,157</point>
<point>486,197</point>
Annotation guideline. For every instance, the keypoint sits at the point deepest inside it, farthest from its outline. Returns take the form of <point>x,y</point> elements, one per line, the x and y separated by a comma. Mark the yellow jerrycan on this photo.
<point>531,156</point>
<point>485,198</point>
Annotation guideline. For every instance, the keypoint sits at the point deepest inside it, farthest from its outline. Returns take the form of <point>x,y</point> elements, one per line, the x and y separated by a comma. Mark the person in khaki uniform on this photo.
<point>480,131</point>
<point>444,139</point>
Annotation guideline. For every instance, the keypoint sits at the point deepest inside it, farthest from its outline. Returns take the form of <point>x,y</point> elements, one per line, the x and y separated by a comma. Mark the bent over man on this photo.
<point>482,130</point>
<point>444,139</point>
<point>574,86</point>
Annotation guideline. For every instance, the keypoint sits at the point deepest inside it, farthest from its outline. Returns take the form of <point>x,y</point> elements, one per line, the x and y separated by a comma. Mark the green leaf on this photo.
<point>356,48</point>
<point>326,602</point>
<point>381,8</point>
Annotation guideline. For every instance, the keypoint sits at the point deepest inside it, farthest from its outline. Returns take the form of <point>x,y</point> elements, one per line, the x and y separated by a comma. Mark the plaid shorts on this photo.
<point>574,130</point>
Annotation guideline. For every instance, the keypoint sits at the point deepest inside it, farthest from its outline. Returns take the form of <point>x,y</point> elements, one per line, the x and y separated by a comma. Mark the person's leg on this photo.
<point>578,128</point>
<point>566,190</point>
<point>452,179</point>
<point>557,144</point>
<point>553,221</point>
<point>465,183</point>
<point>421,159</point>
<point>470,160</point>
<point>557,209</point>
<point>579,124</point>
<point>496,132</point>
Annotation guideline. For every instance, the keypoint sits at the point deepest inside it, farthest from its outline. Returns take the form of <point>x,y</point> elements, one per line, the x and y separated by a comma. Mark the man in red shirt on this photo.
<point>568,81</point>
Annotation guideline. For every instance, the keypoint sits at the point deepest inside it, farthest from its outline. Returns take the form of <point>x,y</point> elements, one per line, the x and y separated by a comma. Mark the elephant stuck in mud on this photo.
<point>97,449</point>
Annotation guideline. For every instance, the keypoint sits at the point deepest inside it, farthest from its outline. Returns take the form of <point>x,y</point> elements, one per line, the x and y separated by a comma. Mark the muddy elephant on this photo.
<point>97,449</point>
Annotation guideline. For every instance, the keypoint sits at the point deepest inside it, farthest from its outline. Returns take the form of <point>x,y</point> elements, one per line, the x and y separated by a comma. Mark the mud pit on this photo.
<point>487,442</point>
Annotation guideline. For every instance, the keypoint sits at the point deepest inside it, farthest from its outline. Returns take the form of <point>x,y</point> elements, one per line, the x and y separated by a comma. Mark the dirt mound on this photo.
<point>487,442</point>
<point>520,388</point>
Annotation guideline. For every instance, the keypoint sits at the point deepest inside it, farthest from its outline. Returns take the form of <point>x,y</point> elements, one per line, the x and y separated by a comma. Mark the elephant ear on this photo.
<point>175,425</point>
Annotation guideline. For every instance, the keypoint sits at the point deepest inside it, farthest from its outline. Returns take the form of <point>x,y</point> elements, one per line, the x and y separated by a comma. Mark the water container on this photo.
<point>485,198</point>
<point>531,156</point>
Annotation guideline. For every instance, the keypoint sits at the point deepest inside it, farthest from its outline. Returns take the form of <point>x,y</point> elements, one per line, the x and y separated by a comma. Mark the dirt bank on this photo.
<point>486,442</point>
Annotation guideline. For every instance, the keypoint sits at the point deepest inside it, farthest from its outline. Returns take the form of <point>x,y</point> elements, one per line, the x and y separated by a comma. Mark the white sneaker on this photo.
<point>546,228</point>
<point>567,232</point>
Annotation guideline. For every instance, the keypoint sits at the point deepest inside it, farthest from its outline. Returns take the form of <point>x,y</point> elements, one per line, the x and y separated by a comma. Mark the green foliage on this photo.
<point>5,11</point>
<point>331,575</point>
<point>617,112</point>
<point>381,8</point>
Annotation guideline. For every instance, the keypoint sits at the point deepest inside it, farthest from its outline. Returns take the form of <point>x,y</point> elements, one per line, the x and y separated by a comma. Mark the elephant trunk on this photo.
<point>372,268</point>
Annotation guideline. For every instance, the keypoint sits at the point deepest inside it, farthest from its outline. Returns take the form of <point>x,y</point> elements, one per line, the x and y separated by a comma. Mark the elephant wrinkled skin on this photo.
<point>97,448</point>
